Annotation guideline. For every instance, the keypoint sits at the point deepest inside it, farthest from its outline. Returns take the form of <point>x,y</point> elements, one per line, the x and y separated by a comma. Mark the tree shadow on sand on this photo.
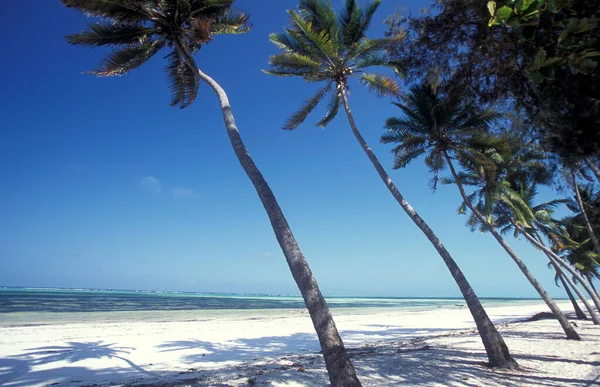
<point>241,349</point>
<point>20,370</point>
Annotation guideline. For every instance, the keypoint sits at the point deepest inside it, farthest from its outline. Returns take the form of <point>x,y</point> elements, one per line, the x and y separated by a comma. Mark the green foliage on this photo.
<point>577,47</point>
<point>578,247</point>
<point>141,28</point>
<point>321,46</point>
<point>522,66</point>
<point>434,124</point>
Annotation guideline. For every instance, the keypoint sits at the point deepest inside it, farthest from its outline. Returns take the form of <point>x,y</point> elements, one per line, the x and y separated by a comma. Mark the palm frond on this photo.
<point>309,105</point>
<point>124,60</point>
<point>321,41</point>
<point>292,63</point>
<point>232,22</point>
<point>411,148</point>
<point>101,34</point>
<point>333,107</point>
<point>381,85</point>
<point>183,81</point>
<point>322,16</point>
<point>117,10</point>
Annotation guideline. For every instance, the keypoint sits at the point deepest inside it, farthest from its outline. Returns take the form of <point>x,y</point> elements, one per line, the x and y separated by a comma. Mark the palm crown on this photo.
<point>507,186</point>
<point>434,124</point>
<point>320,46</point>
<point>141,28</point>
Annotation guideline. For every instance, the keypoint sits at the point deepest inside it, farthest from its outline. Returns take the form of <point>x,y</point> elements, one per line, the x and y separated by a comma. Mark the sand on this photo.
<point>278,348</point>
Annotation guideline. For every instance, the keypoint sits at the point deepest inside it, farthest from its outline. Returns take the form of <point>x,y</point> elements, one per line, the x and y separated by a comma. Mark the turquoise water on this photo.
<point>23,300</point>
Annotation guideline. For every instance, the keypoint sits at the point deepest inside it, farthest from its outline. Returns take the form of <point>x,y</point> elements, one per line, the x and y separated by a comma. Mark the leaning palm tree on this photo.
<point>515,211</point>
<point>443,128</point>
<point>320,46</point>
<point>142,28</point>
<point>571,177</point>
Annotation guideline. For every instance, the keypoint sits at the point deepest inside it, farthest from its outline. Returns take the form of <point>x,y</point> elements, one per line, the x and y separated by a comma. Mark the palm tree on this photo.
<point>593,166</point>
<point>140,29</point>
<point>320,46</point>
<point>572,179</point>
<point>578,247</point>
<point>515,211</point>
<point>440,126</point>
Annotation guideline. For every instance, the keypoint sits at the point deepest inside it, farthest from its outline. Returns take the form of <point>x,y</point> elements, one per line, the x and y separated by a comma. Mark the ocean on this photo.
<point>43,300</point>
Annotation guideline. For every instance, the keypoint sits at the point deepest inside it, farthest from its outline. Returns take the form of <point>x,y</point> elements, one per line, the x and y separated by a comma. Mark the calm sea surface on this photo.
<point>20,300</point>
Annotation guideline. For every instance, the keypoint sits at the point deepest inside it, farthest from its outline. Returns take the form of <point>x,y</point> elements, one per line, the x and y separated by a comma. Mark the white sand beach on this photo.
<point>278,348</point>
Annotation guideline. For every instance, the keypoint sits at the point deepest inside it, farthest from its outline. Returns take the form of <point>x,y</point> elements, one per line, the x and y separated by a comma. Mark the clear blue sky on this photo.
<point>105,186</point>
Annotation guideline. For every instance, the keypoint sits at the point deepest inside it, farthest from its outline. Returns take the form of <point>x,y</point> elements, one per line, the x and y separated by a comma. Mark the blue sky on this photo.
<point>106,186</point>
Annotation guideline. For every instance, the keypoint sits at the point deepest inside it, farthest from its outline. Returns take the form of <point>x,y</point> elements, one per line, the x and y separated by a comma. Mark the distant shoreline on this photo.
<point>250,295</point>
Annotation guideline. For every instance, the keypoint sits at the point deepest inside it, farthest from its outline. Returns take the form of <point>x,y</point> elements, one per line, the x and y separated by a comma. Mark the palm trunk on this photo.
<point>340,369</point>
<point>578,312</point>
<point>588,225</point>
<point>589,279</point>
<point>593,166</point>
<point>562,319</point>
<point>563,277</point>
<point>562,263</point>
<point>495,347</point>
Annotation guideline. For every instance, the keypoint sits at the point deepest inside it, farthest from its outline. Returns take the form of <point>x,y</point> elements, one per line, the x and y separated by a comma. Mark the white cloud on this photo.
<point>266,256</point>
<point>180,193</point>
<point>151,184</point>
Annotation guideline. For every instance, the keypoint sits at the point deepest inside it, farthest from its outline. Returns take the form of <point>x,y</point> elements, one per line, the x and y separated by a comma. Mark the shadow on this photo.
<point>242,349</point>
<point>23,369</point>
<point>277,360</point>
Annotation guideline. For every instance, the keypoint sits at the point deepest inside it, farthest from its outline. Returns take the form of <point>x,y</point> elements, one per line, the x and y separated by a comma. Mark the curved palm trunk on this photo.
<point>562,319</point>
<point>578,312</point>
<point>495,347</point>
<point>593,166</point>
<point>562,263</point>
<point>588,225</point>
<point>340,369</point>
<point>593,287</point>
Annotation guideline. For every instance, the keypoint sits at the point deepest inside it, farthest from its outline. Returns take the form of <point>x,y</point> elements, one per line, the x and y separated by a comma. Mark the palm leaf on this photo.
<point>295,64</point>
<point>380,84</point>
<point>300,116</point>
<point>124,60</point>
<point>333,107</point>
<point>320,40</point>
<point>130,11</point>
<point>101,34</point>
<point>321,15</point>
<point>232,22</point>
<point>183,81</point>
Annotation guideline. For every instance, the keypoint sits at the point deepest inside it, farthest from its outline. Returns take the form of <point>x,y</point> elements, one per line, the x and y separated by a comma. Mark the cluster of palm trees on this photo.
<point>496,175</point>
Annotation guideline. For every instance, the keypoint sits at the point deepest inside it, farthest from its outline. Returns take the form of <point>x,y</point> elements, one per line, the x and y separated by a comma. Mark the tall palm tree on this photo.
<point>515,211</point>
<point>443,128</point>
<point>320,46</point>
<point>140,29</point>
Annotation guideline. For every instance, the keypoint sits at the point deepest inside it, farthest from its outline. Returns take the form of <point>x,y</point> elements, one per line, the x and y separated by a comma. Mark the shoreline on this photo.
<point>212,350</point>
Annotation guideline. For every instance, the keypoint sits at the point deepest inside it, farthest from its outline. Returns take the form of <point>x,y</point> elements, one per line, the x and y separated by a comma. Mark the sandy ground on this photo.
<point>388,347</point>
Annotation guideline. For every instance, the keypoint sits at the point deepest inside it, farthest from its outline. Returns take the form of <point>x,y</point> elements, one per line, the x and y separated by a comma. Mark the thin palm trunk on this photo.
<point>562,319</point>
<point>578,312</point>
<point>340,369</point>
<point>564,277</point>
<point>562,263</point>
<point>495,347</point>
<point>588,225</point>
<point>589,279</point>
<point>594,167</point>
